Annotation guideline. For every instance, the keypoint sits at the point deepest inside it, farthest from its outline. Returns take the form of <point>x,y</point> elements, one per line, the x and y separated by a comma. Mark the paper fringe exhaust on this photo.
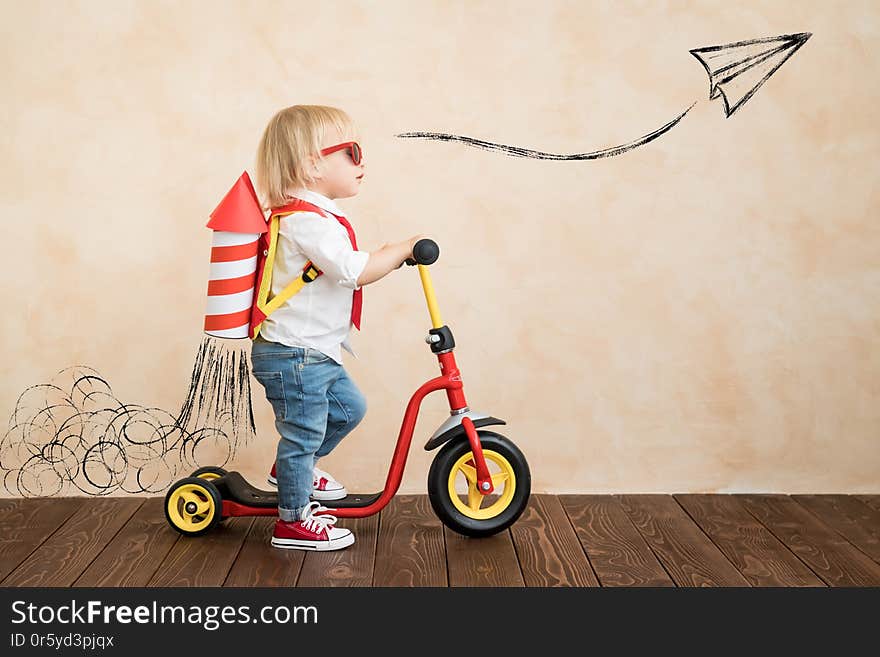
<point>220,389</point>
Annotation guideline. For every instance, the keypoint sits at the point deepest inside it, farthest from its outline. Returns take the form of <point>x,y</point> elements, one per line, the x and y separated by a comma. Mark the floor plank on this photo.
<point>549,551</point>
<point>410,551</point>
<point>616,549</point>
<point>760,557</point>
<point>25,523</point>
<point>851,518</point>
<point>482,562</point>
<point>352,566</point>
<point>872,501</point>
<point>826,552</point>
<point>69,551</point>
<point>136,552</point>
<point>260,564</point>
<point>203,560</point>
<point>569,540</point>
<point>7,503</point>
<point>686,553</point>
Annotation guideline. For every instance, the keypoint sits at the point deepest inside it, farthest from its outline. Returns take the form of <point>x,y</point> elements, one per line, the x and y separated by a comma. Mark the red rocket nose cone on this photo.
<point>239,211</point>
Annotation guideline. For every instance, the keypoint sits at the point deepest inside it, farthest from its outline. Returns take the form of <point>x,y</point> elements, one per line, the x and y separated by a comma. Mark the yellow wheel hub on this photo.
<point>191,508</point>
<point>209,476</point>
<point>479,506</point>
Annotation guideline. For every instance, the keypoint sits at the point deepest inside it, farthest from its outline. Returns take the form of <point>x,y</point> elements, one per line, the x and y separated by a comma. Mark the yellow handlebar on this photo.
<point>428,286</point>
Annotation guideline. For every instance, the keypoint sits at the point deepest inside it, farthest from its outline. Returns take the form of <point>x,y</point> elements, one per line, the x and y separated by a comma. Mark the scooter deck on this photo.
<point>233,486</point>
<point>354,500</point>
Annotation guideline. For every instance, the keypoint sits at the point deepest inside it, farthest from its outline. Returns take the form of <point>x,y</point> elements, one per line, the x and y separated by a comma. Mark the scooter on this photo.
<point>478,484</point>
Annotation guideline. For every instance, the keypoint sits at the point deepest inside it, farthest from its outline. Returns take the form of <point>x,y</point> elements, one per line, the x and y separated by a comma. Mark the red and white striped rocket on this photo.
<point>237,223</point>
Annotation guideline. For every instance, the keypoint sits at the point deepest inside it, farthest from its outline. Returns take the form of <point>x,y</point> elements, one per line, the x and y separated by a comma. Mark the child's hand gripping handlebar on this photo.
<point>425,252</point>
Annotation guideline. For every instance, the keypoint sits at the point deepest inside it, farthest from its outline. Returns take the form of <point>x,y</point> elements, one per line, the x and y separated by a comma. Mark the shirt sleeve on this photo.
<point>326,246</point>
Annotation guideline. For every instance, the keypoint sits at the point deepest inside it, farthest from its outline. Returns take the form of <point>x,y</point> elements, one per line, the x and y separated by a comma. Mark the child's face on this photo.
<point>337,175</point>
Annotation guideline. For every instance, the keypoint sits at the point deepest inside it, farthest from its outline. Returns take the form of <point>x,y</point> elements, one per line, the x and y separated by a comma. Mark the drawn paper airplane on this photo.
<point>736,71</point>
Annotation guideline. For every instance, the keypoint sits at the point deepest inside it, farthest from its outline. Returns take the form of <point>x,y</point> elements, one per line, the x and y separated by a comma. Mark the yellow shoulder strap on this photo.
<point>263,302</point>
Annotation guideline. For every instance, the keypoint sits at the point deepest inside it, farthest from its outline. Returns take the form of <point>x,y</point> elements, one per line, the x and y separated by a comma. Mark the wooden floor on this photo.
<point>569,540</point>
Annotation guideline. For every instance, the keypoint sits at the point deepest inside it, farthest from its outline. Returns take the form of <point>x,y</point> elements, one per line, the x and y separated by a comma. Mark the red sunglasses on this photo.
<point>354,150</point>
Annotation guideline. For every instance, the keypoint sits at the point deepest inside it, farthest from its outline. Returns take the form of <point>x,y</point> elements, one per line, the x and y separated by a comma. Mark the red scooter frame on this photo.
<point>195,504</point>
<point>452,383</point>
<point>450,380</point>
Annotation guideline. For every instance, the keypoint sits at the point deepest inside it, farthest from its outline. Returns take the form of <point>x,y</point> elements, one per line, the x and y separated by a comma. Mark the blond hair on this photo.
<point>293,136</point>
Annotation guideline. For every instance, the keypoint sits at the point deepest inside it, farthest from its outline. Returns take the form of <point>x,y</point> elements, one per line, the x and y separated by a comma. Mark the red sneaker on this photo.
<point>324,486</point>
<point>311,532</point>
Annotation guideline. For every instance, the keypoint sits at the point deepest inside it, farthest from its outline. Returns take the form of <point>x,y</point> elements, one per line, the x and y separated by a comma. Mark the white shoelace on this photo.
<point>317,523</point>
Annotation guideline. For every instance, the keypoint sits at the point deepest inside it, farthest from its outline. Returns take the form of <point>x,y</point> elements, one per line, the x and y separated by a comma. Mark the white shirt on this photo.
<point>319,315</point>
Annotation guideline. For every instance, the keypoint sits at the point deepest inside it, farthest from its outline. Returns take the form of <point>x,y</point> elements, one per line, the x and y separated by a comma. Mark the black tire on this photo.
<point>212,472</point>
<point>438,485</point>
<point>186,522</point>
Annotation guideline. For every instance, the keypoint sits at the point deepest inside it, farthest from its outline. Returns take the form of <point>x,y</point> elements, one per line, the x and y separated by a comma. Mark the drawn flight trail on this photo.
<point>736,71</point>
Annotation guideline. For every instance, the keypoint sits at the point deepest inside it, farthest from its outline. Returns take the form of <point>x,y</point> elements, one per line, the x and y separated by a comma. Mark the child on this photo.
<point>308,157</point>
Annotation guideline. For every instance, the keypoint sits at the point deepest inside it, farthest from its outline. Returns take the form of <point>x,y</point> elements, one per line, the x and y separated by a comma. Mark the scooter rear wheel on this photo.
<point>209,472</point>
<point>452,486</point>
<point>193,506</point>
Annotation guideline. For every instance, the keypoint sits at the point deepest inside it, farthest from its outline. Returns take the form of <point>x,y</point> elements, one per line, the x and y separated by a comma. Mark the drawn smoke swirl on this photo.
<point>73,434</point>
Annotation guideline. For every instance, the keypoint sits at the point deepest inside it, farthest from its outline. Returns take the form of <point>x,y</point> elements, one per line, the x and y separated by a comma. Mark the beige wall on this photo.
<point>699,314</point>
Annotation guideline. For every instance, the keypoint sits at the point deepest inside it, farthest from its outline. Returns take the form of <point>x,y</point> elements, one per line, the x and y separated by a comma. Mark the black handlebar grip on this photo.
<point>425,252</point>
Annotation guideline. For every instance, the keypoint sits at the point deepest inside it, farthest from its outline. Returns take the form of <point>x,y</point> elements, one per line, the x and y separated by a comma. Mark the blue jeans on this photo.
<point>316,405</point>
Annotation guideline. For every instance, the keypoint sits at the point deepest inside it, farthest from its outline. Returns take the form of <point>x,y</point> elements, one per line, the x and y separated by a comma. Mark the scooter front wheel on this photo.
<point>453,492</point>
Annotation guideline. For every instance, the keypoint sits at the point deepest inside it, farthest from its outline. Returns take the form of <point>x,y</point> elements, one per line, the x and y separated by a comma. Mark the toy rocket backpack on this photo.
<point>242,258</point>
